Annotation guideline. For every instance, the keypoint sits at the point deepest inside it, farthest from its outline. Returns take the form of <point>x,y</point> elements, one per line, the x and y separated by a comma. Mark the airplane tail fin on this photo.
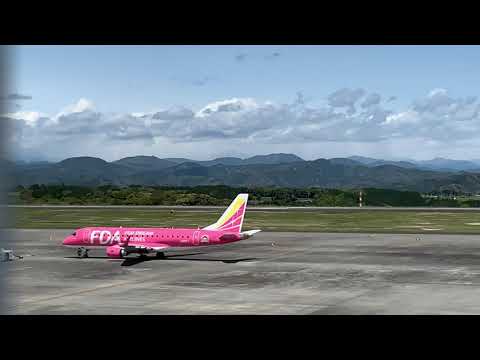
<point>232,218</point>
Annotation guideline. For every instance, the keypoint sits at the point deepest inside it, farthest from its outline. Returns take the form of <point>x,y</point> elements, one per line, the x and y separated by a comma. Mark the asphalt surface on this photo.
<point>272,273</point>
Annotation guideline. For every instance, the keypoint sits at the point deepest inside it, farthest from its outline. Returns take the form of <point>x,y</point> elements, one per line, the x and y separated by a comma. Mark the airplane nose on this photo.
<point>69,240</point>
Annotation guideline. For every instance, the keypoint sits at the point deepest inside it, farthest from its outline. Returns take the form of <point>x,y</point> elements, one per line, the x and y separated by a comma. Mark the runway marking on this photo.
<point>139,269</point>
<point>22,268</point>
<point>100,287</point>
<point>140,282</point>
<point>269,259</point>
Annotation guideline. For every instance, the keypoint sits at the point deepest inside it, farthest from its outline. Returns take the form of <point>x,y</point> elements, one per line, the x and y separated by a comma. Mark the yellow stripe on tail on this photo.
<point>231,218</point>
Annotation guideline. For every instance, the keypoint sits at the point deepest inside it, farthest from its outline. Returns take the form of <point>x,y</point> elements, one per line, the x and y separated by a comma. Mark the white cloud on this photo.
<point>346,98</point>
<point>30,117</point>
<point>371,100</point>
<point>437,91</point>
<point>80,106</point>
<point>230,105</point>
<point>246,123</point>
<point>141,114</point>
<point>405,117</point>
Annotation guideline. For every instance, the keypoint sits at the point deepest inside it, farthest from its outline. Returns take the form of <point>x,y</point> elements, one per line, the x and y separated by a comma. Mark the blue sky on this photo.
<point>152,79</point>
<point>130,78</point>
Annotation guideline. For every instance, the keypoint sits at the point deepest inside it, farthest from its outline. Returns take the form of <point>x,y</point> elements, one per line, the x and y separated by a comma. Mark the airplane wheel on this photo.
<point>160,255</point>
<point>82,253</point>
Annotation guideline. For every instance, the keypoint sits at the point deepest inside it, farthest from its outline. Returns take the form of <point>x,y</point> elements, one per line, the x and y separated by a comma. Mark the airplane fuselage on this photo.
<point>121,241</point>
<point>173,237</point>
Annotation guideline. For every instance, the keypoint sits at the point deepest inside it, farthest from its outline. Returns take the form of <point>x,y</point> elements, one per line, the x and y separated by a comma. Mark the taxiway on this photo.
<point>272,273</point>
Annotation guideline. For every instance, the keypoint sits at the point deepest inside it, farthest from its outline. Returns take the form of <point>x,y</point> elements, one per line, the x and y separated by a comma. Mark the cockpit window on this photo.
<point>74,234</point>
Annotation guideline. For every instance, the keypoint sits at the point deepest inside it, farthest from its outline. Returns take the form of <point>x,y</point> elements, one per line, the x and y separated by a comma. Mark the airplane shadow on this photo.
<point>90,257</point>
<point>145,258</point>
<point>130,261</point>
<point>137,260</point>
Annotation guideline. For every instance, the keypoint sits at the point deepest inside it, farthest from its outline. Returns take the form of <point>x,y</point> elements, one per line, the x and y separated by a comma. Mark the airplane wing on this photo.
<point>148,246</point>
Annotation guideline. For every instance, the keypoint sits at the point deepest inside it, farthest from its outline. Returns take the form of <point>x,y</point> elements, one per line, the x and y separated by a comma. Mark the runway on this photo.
<point>272,273</point>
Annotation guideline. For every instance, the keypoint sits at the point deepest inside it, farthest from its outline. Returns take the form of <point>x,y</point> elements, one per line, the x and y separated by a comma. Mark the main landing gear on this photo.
<point>82,252</point>
<point>160,255</point>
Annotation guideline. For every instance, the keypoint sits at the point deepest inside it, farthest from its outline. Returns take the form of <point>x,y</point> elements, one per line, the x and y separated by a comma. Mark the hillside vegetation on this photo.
<point>222,195</point>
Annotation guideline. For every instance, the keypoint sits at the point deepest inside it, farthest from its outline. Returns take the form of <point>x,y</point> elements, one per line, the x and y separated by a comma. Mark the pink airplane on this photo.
<point>120,241</point>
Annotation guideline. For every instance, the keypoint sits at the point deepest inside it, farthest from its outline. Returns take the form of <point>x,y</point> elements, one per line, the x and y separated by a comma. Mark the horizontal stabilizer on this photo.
<point>250,233</point>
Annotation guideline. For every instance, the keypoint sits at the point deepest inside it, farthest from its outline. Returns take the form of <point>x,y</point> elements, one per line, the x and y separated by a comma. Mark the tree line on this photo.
<point>222,195</point>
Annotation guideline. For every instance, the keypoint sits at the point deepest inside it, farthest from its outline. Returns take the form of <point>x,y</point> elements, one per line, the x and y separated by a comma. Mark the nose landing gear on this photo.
<point>82,252</point>
<point>160,255</point>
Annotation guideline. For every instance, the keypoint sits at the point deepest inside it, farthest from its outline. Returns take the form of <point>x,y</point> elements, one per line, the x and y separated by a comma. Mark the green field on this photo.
<point>306,221</point>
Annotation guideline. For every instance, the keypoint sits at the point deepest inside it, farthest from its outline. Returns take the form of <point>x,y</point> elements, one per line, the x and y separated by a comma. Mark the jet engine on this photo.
<point>116,251</point>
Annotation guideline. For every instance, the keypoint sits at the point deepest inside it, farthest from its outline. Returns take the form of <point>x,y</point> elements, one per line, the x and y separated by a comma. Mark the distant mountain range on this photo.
<point>286,170</point>
<point>437,164</point>
<point>258,159</point>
